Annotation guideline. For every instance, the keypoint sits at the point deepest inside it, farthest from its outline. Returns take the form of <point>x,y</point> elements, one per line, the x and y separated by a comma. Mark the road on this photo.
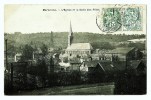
<point>93,89</point>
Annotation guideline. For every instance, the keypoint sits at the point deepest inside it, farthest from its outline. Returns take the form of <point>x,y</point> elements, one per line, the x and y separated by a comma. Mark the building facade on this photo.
<point>77,49</point>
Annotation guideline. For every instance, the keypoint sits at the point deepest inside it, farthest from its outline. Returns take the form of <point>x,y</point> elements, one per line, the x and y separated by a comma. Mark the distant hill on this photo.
<point>60,39</point>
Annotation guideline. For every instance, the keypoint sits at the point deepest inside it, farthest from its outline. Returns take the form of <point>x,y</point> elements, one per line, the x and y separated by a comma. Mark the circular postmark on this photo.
<point>120,18</point>
<point>109,20</point>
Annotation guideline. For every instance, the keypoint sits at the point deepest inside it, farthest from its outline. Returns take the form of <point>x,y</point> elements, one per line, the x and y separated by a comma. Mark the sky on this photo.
<point>32,18</point>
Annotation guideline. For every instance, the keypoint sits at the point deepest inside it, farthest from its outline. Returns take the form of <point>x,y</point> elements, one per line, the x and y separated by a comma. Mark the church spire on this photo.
<point>70,35</point>
<point>70,31</point>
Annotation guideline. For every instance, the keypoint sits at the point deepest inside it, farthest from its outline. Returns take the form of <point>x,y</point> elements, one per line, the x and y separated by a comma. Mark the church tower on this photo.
<point>70,36</point>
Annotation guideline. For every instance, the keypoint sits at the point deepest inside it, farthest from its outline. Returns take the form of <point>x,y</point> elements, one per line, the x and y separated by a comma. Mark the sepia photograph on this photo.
<point>75,49</point>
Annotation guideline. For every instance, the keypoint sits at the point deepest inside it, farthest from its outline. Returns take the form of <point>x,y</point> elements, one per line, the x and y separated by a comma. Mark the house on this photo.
<point>137,67</point>
<point>71,65</point>
<point>74,64</point>
<point>98,56</point>
<point>64,66</point>
<point>134,81</point>
<point>95,57</point>
<point>103,66</point>
<point>87,65</point>
<point>101,70</point>
<point>85,58</point>
<point>17,57</point>
<point>137,77</point>
<point>56,55</point>
<point>134,54</point>
<point>63,57</point>
<point>37,54</point>
<point>123,54</point>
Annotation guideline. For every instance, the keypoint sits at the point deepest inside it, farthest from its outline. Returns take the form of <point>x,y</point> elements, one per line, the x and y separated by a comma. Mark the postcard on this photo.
<point>75,49</point>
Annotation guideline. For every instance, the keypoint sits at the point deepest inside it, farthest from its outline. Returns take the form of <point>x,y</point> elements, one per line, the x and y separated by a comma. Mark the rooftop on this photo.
<point>80,46</point>
<point>135,63</point>
<point>92,63</point>
<point>113,66</point>
<point>107,66</point>
<point>121,50</point>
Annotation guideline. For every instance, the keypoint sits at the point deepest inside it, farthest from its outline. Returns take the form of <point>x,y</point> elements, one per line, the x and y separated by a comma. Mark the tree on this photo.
<point>102,45</point>
<point>140,46</point>
<point>27,53</point>
<point>44,49</point>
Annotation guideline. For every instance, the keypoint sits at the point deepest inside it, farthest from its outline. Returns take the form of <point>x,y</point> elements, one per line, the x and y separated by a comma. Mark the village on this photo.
<point>79,64</point>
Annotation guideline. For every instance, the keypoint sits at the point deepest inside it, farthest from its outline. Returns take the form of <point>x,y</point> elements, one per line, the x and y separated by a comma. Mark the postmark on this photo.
<point>132,19</point>
<point>110,20</point>
<point>120,18</point>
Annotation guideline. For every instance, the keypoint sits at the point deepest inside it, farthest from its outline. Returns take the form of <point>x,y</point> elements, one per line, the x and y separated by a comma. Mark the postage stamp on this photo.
<point>120,18</point>
<point>111,20</point>
<point>132,19</point>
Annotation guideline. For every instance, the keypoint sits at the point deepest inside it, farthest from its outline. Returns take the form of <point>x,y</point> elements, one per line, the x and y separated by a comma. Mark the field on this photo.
<point>90,89</point>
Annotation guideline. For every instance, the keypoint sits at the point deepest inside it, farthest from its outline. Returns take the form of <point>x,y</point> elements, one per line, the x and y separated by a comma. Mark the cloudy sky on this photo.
<point>32,18</point>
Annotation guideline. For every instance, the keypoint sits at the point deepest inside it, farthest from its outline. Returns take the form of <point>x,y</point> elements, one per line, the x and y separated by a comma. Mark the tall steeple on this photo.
<point>70,35</point>
<point>70,32</point>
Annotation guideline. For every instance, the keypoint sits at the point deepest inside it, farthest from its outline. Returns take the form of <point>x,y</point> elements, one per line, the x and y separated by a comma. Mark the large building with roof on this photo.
<point>77,49</point>
<point>123,54</point>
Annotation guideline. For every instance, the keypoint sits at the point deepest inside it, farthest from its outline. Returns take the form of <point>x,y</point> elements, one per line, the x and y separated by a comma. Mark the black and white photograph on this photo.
<point>75,49</point>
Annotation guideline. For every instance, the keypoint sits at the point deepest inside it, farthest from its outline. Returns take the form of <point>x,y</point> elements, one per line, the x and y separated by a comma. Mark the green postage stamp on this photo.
<point>120,18</point>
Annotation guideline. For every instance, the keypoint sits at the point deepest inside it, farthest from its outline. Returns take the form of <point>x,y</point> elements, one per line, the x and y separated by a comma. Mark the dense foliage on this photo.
<point>16,42</point>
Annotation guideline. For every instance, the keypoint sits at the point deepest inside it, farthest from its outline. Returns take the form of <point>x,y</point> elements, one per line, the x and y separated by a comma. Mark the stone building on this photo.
<point>77,49</point>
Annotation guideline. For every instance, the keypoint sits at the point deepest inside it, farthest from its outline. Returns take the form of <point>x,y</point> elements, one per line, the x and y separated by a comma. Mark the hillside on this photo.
<point>60,39</point>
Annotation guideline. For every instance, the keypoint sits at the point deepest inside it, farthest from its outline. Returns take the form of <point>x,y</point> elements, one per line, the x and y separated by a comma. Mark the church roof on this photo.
<point>80,46</point>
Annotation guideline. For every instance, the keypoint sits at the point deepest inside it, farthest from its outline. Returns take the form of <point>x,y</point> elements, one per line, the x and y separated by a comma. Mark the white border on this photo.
<point>139,97</point>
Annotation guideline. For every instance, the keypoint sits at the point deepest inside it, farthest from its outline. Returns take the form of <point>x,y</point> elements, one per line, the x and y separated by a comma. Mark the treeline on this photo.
<point>16,42</point>
<point>60,39</point>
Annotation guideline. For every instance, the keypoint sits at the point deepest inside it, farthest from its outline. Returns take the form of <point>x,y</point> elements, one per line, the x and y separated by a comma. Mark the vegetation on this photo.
<point>28,43</point>
<point>102,45</point>
<point>45,38</point>
<point>27,53</point>
<point>86,89</point>
<point>16,42</point>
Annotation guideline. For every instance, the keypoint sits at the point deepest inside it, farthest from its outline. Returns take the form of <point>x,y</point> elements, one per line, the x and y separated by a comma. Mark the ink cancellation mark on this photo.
<point>109,20</point>
<point>132,19</point>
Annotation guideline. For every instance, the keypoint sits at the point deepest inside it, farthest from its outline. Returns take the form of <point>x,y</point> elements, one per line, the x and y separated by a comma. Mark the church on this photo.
<point>77,49</point>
